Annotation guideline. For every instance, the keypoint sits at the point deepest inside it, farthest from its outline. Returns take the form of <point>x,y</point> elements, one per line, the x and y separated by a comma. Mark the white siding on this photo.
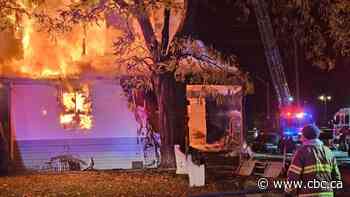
<point>111,142</point>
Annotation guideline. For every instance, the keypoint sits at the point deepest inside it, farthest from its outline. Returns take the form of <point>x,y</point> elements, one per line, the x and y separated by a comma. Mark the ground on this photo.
<point>106,183</point>
<point>123,184</point>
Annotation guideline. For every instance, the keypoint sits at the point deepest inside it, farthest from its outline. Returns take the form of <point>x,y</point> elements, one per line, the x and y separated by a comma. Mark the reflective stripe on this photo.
<point>321,194</point>
<point>318,168</point>
<point>317,165</point>
<point>295,169</point>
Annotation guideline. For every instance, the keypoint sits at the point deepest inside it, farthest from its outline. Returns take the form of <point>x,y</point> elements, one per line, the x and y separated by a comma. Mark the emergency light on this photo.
<point>293,119</point>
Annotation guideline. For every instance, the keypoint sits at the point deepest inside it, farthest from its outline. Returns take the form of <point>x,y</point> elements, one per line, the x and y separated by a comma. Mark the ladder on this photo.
<point>272,53</point>
<point>273,57</point>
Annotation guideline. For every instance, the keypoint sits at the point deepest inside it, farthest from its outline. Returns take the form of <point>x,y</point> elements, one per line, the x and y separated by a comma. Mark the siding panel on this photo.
<point>114,153</point>
<point>112,142</point>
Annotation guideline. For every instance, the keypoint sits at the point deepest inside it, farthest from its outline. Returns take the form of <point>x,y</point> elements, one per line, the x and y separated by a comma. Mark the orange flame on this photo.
<point>77,109</point>
<point>86,49</point>
<point>46,58</point>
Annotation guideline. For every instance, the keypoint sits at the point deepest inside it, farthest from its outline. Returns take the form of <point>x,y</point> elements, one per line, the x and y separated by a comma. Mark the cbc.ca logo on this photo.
<point>263,183</point>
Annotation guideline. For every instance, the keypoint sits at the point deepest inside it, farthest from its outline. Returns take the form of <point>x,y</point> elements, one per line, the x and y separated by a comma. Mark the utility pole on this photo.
<point>268,107</point>
<point>325,99</point>
<point>296,66</point>
<point>268,110</point>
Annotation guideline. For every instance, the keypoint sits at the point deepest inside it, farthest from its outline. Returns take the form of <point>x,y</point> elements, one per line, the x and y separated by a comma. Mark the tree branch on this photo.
<point>145,24</point>
<point>165,32</point>
<point>122,4</point>
<point>184,48</point>
<point>149,36</point>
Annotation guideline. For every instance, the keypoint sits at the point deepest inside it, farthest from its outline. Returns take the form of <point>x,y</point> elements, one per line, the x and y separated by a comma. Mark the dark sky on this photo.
<point>215,23</point>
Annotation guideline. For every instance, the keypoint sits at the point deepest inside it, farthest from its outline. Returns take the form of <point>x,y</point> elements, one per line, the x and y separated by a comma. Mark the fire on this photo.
<point>69,100</point>
<point>47,58</point>
<point>85,121</point>
<point>63,55</point>
<point>86,49</point>
<point>76,109</point>
<point>81,104</point>
<point>66,118</point>
<point>28,30</point>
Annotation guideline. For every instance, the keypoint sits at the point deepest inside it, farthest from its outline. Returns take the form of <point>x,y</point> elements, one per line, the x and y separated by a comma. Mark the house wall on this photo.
<point>112,142</point>
<point>215,117</point>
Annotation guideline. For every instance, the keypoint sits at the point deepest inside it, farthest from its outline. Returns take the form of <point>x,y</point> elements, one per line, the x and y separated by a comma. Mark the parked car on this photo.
<point>267,143</point>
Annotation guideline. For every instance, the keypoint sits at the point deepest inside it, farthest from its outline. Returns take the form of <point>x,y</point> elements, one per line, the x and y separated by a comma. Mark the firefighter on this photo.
<point>313,162</point>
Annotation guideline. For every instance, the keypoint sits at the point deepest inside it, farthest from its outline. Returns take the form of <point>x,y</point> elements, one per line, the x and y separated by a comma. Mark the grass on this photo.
<point>103,184</point>
<point>152,183</point>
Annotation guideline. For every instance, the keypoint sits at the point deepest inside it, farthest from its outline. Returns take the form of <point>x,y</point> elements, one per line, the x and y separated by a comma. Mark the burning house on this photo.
<point>65,100</point>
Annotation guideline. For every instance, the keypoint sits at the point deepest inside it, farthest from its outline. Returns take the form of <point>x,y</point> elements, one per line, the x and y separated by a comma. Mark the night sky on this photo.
<point>215,22</point>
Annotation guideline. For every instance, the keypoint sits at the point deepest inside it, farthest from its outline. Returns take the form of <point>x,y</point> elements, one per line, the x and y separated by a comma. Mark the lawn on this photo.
<point>119,183</point>
<point>104,183</point>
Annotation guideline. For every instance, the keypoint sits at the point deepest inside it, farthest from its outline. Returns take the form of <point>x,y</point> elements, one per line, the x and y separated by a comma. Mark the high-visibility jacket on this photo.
<point>316,163</point>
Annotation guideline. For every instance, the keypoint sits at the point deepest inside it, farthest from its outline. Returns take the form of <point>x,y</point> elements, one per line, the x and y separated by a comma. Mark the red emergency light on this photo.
<point>293,112</point>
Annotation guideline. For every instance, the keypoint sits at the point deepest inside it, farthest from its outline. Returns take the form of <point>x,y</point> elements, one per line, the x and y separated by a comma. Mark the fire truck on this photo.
<point>341,119</point>
<point>341,129</point>
<point>292,117</point>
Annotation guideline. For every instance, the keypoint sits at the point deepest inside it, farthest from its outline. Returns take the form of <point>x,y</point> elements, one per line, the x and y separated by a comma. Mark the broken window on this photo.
<point>77,108</point>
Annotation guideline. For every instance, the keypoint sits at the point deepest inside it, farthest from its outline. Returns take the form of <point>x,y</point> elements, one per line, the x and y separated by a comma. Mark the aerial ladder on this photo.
<point>292,118</point>
<point>272,53</point>
<point>274,63</point>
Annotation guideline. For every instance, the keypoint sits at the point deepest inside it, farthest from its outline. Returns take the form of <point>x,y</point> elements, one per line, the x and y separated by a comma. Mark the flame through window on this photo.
<point>77,108</point>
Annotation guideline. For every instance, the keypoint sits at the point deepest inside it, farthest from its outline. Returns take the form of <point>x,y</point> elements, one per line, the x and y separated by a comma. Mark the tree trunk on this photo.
<point>181,116</point>
<point>166,98</point>
<point>4,129</point>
